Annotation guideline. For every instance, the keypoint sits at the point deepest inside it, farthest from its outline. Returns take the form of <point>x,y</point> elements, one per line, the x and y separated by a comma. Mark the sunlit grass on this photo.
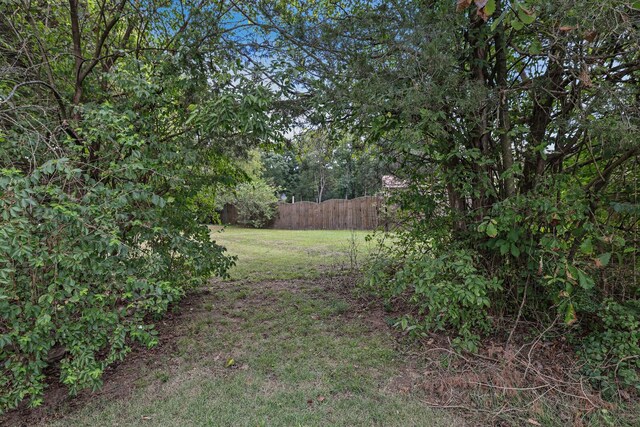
<point>290,254</point>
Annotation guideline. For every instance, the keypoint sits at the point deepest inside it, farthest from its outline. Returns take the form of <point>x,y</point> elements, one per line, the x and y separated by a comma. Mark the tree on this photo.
<point>358,171</point>
<point>316,163</point>
<point>340,168</point>
<point>112,116</point>
<point>282,170</point>
<point>522,117</point>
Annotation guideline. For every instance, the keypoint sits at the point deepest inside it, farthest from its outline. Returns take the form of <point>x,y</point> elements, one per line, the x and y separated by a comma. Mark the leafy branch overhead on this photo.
<point>515,124</point>
<point>113,117</point>
<point>517,14</point>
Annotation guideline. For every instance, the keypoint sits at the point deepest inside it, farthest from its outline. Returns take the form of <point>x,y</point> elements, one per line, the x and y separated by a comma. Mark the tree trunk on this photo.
<point>504,121</point>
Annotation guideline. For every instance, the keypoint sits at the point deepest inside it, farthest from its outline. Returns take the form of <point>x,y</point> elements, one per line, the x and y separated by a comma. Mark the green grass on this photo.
<point>284,345</point>
<point>301,355</point>
<point>297,362</point>
<point>292,254</point>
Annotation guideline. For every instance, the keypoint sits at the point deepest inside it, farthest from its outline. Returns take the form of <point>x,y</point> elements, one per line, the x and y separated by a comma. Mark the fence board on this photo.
<point>336,214</point>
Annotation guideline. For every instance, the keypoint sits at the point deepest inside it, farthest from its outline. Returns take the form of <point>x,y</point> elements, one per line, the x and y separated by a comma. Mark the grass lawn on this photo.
<point>283,345</point>
<point>292,254</point>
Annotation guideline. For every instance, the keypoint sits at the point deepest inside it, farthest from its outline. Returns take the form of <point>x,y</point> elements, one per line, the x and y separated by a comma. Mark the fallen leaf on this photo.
<point>566,28</point>
<point>533,422</point>
<point>230,362</point>
<point>590,35</point>
<point>626,396</point>
<point>462,5</point>
<point>320,398</point>
<point>585,79</point>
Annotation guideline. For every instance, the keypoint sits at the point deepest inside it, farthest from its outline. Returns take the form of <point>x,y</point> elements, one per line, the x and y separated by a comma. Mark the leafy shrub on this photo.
<point>70,280</point>
<point>445,291</point>
<point>528,256</point>
<point>611,353</point>
<point>255,201</point>
<point>95,174</point>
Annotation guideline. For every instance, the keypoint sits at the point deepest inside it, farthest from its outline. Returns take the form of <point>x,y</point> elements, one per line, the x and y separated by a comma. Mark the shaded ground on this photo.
<point>287,344</point>
<point>296,352</point>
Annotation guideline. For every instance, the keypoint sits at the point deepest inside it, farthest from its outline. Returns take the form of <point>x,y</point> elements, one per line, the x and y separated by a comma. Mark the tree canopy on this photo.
<point>515,123</point>
<point>112,116</point>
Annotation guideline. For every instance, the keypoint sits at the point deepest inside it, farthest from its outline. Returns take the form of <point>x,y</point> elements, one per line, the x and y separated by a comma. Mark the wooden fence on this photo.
<point>362,213</point>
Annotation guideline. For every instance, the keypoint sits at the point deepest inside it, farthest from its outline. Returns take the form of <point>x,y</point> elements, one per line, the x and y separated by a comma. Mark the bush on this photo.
<point>72,282</point>
<point>444,291</point>
<point>95,174</point>
<point>255,201</point>
<point>531,258</point>
<point>611,353</point>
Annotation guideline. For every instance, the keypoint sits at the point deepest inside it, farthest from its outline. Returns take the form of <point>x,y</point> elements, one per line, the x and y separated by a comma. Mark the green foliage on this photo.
<point>519,146</point>
<point>255,201</point>
<point>323,168</point>
<point>73,281</point>
<point>282,170</point>
<point>611,353</point>
<point>99,155</point>
<point>446,290</point>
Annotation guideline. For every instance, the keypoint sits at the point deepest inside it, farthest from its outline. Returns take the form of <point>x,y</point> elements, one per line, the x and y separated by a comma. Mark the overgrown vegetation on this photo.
<point>123,126</point>
<point>515,124</point>
<point>283,344</point>
<point>112,116</point>
<point>254,199</point>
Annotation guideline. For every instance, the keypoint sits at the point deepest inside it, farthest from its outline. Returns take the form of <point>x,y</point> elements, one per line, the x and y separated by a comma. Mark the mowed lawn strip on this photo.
<point>274,352</point>
<point>292,254</point>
